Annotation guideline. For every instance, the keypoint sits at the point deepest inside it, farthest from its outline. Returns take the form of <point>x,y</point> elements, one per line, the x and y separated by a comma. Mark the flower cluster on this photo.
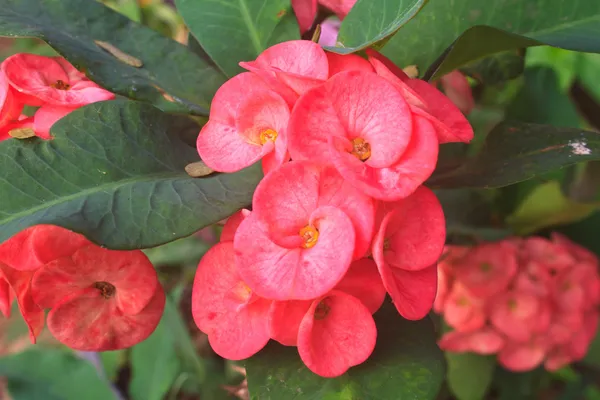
<point>50,83</point>
<point>339,226</point>
<point>531,301</point>
<point>98,299</point>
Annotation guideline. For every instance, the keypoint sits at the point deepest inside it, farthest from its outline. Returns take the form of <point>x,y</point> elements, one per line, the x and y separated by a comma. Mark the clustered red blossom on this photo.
<point>98,299</point>
<point>50,83</point>
<point>344,222</point>
<point>530,301</point>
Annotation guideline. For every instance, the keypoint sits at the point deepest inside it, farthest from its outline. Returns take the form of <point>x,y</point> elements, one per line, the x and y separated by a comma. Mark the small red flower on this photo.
<point>360,124</point>
<point>482,341</point>
<point>235,319</point>
<point>523,356</point>
<point>248,121</point>
<point>100,299</point>
<point>309,224</point>
<point>10,107</point>
<point>51,80</point>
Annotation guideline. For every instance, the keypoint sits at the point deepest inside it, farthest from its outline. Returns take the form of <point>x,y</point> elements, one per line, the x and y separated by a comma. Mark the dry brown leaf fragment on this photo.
<point>119,54</point>
<point>198,169</point>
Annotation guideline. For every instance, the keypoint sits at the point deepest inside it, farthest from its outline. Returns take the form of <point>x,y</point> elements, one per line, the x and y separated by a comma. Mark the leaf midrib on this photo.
<point>88,192</point>
<point>254,38</point>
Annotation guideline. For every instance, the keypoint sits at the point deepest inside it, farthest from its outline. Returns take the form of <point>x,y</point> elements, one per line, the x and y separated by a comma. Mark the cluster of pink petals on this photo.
<point>530,301</point>
<point>50,83</point>
<point>344,222</point>
<point>98,299</point>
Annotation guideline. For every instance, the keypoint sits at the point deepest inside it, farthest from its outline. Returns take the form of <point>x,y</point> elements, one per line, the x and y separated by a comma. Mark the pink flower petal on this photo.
<point>235,319</point>
<point>513,314</point>
<point>87,321</point>
<point>285,319</point>
<point>129,272</point>
<point>306,11</point>
<point>401,179</point>
<point>363,282</point>
<point>457,89</point>
<point>230,227</point>
<point>46,116</point>
<point>354,105</point>
<point>519,357</point>
<point>350,62</point>
<point>463,311</point>
<point>412,292</point>
<point>340,7</point>
<point>483,341</point>
<point>414,232</point>
<point>337,333</point>
<point>294,272</point>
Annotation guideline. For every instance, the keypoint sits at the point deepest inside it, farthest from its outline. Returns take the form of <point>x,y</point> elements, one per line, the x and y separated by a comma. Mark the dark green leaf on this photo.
<point>516,151</point>
<point>187,251</point>
<point>231,32</point>
<point>371,21</point>
<point>71,26</point>
<point>469,375</point>
<point>406,364</point>
<point>497,68</point>
<point>154,364</point>
<point>115,172</point>
<point>540,101</point>
<point>53,374</point>
<point>508,25</point>
<point>112,362</point>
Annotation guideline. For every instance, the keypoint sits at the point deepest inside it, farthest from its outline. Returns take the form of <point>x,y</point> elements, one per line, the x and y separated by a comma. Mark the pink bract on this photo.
<point>285,199</point>
<point>413,231</point>
<point>463,311</point>
<point>45,117</point>
<point>425,100</point>
<point>233,222</point>
<point>360,124</point>
<point>291,68</point>
<point>350,62</point>
<point>458,90</point>
<point>515,315</point>
<point>10,107</point>
<point>87,321</point>
<point>51,80</point>
<point>336,333</point>
<point>483,341</point>
<point>306,11</point>
<point>522,356</point>
<point>248,121</point>
<point>235,319</point>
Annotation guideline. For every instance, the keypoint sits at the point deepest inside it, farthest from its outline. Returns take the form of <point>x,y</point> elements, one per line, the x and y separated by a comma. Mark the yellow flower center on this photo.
<point>268,135</point>
<point>310,235</point>
<point>361,149</point>
<point>61,85</point>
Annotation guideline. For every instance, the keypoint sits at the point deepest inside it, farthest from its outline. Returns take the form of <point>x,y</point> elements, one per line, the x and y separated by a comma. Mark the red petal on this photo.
<point>87,321</point>
<point>457,89</point>
<point>484,341</point>
<point>228,232</point>
<point>349,62</point>
<point>285,319</point>
<point>521,357</point>
<point>38,245</point>
<point>340,7</point>
<point>130,272</point>
<point>338,337</point>
<point>46,116</point>
<point>363,282</point>
<point>236,321</point>
<point>306,11</point>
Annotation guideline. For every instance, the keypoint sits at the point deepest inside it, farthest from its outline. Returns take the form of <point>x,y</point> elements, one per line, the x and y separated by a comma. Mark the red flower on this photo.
<point>248,121</point>
<point>100,299</point>
<point>51,80</point>
<point>482,341</point>
<point>225,308</point>
<point>309,224</point>
<point>360,124</point>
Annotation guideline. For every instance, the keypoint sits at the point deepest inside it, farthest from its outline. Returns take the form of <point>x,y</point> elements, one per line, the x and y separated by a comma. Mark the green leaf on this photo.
<point>154,365</point>
<point>469,375</point>
<point>563,62</point>
<point>546,206</point>
<point>466,30</point>
<point>112,362</point>
<point>53,374</point>
<point>541,101</point>
<point>234,31</point>
<point>406,364</point>
<point>497,68</point>
<point>71,26</point>
<point>185,251</point>
<point>371,21</point>
<point>115,172</point>
<point>516,151</point>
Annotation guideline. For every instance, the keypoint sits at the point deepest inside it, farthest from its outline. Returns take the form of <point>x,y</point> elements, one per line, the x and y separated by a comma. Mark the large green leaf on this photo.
<point>371,21</point>
<point>470,375</point>
<point>115,172</point>
<point>406,364</point>
<point>71,26</point>
<point>484,28</point>
<point>154,364</point>
<point>53,374</point>
<point>516,151</point>
<point>234,31</point>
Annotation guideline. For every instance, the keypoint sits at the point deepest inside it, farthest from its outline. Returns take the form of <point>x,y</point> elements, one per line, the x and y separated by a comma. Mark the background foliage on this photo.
<point>115,172</point>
